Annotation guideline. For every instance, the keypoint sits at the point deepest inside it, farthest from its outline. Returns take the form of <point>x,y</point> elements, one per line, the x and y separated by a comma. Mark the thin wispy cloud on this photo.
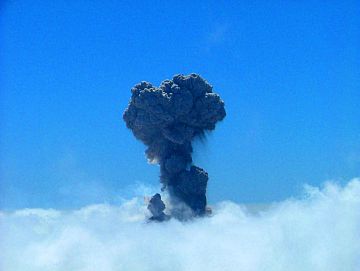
<point>215,36</point>
<point>218,33</point>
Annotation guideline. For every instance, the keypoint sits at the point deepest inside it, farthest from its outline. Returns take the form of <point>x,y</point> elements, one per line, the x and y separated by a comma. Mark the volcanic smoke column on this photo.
<point>166,119</point>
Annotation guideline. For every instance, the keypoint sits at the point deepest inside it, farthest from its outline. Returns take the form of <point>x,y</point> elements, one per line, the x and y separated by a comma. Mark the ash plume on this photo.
<point>166,119</point>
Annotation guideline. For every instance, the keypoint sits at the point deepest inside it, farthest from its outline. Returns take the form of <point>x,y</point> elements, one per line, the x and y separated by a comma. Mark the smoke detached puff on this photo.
<point>166,119</point>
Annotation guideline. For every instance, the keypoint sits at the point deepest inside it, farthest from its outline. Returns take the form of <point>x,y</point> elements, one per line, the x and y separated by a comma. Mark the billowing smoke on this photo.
<point>166,119</point>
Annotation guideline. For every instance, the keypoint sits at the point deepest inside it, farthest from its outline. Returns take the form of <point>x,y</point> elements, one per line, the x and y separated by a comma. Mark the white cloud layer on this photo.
<point>320,231</point>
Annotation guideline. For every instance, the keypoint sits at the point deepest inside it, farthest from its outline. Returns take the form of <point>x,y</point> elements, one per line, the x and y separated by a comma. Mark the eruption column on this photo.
<point>166,119</point>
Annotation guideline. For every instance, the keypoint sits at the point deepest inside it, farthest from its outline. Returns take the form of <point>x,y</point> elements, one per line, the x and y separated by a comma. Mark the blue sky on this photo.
<point>288,71</point>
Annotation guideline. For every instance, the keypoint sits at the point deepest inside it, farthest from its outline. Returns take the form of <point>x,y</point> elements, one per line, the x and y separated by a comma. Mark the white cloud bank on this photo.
<point>321,232</point>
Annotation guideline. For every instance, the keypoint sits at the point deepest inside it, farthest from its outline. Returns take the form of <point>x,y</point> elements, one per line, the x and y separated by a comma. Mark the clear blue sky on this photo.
<point>288,71</point>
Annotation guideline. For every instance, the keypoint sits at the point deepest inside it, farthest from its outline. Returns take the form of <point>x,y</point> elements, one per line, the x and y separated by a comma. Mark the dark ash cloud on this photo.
<point>166,119</point>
